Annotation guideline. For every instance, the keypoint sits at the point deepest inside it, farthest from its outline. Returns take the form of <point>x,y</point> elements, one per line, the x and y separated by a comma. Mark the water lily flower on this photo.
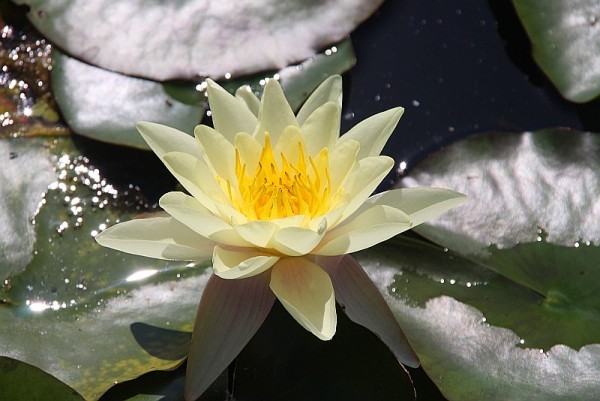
<point>278,201</point>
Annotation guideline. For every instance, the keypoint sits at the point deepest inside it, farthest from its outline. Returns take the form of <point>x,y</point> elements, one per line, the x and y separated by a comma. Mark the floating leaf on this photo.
<point>89,316</point>
<point>565,36</point>
<point>455,313</point>
<point>513,305</point>
<point>196,39</point>
<point>106,105</point>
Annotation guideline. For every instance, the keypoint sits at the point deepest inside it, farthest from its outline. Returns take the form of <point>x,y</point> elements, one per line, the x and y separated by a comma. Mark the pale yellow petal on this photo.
<point>370,225</point>
<point>322,128</point>
<point>289,144</point>
<point>275,113</point>
<point>229,114</point>
<point>360,183</point>
<point>240,263</point>
<point>163,139</point>
<point>374,132</point>
<point>249,150</point>
<point>341,161</point>
<point>329,90</point>
<point>297,241</point>
<point>197,177</point>
<point>190,212</point>
<point>257,232</point>
<point>157,237</point>
<point>421,204</point>
<point>305,290</point>
<point>245,94</point>
<point>218,151</point>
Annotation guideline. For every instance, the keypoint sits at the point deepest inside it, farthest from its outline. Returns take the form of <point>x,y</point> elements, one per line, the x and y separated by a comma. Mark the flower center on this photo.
<point>279,190</point>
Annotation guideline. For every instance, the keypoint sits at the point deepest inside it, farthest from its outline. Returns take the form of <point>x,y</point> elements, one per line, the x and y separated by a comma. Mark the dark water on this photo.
<point>458,67</point>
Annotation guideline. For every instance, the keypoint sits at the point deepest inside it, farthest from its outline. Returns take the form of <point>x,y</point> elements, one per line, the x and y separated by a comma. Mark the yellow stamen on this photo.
<point>280,189</point>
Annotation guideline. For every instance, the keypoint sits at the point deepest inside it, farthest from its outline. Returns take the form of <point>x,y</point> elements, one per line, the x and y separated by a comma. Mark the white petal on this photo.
<point>190,212</point>
<point>370,225</point>
<point>229,114</point>
<point>363,304</point>
<point>245,94</point>
<point>305,290</point>
<point>229,314</point>
<point>421,204</point>
<point>289,144</point>
<point>374,132</point>
<point>218,151</point>
<point>163,139</point>
<point>322,128</point>
<point>329,90</point>
<point>275,113</point>
<point>157,237</point>
<point>240,263</point>
<point>365,178</point>
<point>297,241</point>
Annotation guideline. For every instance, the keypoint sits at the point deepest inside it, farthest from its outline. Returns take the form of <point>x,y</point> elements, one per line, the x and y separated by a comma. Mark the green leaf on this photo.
<point>455,313</point>
<point>20,381</point>
<point>565,36</point>
<point>106,105</point>
<point>513,305</point>
<point>196,39</point>
<point>87,315</point>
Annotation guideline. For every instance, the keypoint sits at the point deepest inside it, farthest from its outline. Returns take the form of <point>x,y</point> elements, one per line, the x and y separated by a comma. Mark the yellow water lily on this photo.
<point>277,200</point>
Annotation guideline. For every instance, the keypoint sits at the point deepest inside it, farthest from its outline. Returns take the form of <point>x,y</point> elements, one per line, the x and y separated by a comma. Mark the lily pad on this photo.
<point>565,36</point>
<point>89,316</point>
<point>195,39</point>
<point>522,187</point>
<point>106,105</point>
<point>510,304</point>
<point>471,327</point>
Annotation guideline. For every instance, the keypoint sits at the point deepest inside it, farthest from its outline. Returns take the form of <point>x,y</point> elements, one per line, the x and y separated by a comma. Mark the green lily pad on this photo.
<point>196,39</point>
<point>565,36</point>
<point>106,105</point>
<point>455,312</point>
<point>510,304</point>
<point>20,381</point>
<point>89,316</point>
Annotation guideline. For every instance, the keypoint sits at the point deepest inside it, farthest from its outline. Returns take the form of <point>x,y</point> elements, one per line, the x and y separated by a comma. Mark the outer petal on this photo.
<point>275,113</point>
<point>297,241</point>
<point>420,204</point>
<point>218,151</point>
<point>157,237</point>
<point>305,290</point>
<point>374,132</point>
<point>362,182</point>
<point>191,213</point>
<point>329,90</point>
<point>163,139</point>
<point>229,114</point>
<point>322,128</point>
<point>363,303</point>
<point>229,314</point>
<point>240,263</point>
<point>370,225</point>
<point>245,94</point>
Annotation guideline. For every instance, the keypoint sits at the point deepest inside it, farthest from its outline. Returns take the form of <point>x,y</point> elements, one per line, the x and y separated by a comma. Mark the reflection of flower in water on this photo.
<point>277,200</point>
